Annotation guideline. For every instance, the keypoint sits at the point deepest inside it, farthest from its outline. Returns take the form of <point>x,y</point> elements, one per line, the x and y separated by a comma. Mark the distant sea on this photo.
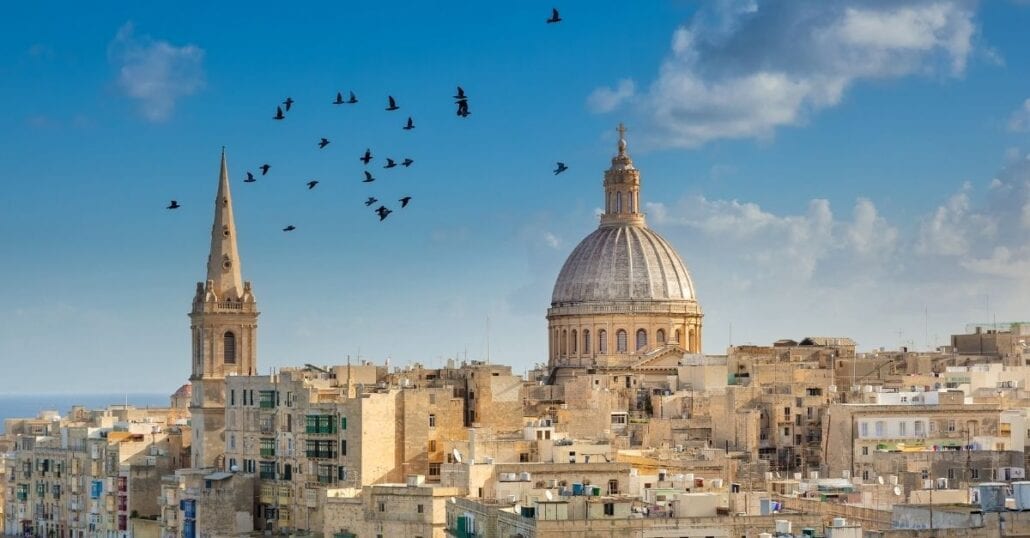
<point>29,405</point>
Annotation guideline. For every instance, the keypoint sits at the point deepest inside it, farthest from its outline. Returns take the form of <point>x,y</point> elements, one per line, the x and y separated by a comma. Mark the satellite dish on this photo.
<point>879,480</point>
<point>897,490</point>
<point>456,454</point>
<point>517,508</point>
<point>548,494</point>
<point>454,501</point>
<point>777,474</point>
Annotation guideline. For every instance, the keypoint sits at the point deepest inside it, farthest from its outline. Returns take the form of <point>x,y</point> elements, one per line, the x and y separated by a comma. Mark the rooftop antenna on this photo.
<point>731,334</point>
<point>488,339</point>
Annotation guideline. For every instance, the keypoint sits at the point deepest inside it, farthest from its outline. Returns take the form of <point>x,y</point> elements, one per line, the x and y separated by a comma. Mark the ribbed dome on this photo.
<point>622,263</point>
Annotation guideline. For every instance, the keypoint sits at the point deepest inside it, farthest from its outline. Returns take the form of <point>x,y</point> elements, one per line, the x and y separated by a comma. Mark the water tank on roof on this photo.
<point>839,522</point>
<point>992,496</point>
<point>1021,491</point>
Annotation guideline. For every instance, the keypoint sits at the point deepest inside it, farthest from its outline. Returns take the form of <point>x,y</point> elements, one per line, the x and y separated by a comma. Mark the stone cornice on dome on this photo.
<point>677,307</point>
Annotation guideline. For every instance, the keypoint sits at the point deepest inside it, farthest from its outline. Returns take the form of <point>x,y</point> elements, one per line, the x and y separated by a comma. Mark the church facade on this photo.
<point>624,297</point>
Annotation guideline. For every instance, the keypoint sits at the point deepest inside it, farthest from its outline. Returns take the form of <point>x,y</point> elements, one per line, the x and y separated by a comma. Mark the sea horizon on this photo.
<point>29,405</point>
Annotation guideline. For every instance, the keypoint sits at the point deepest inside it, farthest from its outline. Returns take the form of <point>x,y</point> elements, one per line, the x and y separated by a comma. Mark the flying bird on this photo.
<point>561,168</point>
<point>371,200</point>
<point>383,212</point>
<point>339,99</point>
<point>173,205</point>
<point>278,113</point>
<point>323,143</point>
<point>264,168</point>
<point>393,104</point>
<point>288,102</point>
<point>407,162</point>
<point>554,16</point>
<point>353,99</point>
<point>366,157</point>
<point>390,163</point>
<point>404,201</point>
<point>312,183</point>
<point>463,108</point>
<point>289,228</point>
<point>410,125</point>
<point>368,177</point>
<point>250,178</point>
<point>461,94</point>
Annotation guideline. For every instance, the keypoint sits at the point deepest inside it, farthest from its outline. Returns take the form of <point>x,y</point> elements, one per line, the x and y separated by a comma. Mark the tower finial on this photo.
<point>622,138</point>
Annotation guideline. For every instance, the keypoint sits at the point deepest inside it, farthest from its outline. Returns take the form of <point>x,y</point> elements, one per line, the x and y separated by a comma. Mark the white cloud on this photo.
<point>791,246</point>
<point>551,240</point>
<point>1019,121</point>
<point>868,233</point>
<point>1001,263</point>
<point>607,99</point>
<point>744,69</point>
<point>945,232</point>
<point>809,270</point>
<point>156,74</point>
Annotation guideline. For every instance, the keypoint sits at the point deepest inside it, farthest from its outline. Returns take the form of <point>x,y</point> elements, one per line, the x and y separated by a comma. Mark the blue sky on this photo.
<point>855,169</point>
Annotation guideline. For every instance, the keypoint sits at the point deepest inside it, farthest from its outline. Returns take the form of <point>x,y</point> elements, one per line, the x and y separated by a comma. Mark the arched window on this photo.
<point>602,341</point>
<point>641,339</point>
<point>678,341</point>
<point>575,339</point>
<point>564,342</point>
<point>229,347</point>
<point>608,203</point>
<point>690,342</point>
<point>586,341</point>
<point>632,202</point>
<point>660,336</point>
<point>618,202</point>
<point>620,341</point>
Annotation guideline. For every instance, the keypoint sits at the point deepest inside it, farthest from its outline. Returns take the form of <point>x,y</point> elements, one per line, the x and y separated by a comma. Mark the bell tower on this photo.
<point>223,323</point>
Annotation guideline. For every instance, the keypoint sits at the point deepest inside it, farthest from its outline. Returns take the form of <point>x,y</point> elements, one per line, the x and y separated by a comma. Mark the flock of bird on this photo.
<point>461,102</point>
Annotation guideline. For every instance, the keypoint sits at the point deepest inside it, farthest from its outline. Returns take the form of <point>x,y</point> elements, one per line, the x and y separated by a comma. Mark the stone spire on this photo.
<point>622,189</point>
<point>223,262</point>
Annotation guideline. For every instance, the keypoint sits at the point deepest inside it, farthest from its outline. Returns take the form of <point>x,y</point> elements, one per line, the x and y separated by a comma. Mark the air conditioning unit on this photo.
<point>942,483</point>
<point>928,484</point>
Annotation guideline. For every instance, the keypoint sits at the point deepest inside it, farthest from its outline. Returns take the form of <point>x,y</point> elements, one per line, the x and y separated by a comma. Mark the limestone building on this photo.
<point>624,295</point>
<point>224,331</point>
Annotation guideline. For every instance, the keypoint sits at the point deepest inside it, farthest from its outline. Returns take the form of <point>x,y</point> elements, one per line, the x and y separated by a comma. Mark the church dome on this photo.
<point>622,263</point>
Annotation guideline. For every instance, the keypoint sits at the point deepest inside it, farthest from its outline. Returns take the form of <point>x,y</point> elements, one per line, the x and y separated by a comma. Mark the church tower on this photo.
<point>223,323</point>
